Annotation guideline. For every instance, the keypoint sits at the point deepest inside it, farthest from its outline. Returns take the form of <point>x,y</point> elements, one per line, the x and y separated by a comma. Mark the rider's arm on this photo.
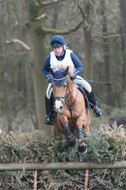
<point>77,64</point>
<point>45,70</point>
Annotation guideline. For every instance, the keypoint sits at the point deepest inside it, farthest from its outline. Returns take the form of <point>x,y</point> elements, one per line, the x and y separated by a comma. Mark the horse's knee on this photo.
<point>79,122</point>
<point>63,120</point>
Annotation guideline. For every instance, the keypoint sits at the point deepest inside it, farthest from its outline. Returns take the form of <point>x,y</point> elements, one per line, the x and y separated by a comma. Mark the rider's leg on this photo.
<point>48,105</point>
<point>87,87</point>
<point>97,111</point>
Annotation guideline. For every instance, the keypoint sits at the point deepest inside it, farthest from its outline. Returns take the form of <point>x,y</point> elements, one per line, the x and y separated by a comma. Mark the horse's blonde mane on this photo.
<point>70,83</point>
<point>63,67</point>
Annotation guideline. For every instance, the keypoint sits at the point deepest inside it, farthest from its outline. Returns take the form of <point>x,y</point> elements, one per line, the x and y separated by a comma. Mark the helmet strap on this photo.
<point>62,52</point>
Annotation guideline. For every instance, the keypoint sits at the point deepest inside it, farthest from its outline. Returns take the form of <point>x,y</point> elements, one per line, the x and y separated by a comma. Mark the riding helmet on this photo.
<point>57,41</point>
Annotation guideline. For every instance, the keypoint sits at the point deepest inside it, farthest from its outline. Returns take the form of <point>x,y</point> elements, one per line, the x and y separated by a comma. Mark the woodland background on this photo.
<point>96,32</point>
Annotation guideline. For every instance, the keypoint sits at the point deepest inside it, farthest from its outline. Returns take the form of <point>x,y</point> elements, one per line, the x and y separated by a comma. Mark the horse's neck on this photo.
<point>71,85</point>
<point>71,90</point>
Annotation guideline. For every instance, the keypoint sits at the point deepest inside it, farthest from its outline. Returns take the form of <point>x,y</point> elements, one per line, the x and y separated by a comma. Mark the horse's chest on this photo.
<point>71,114</point>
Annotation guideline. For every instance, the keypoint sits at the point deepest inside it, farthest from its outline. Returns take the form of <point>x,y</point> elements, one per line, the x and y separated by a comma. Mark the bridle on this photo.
<point>64,99</point>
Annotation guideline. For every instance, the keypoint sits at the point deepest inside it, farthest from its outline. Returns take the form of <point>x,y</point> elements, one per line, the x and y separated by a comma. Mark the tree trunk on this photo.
<point>37,57</point>
<point>106,53</point>
<point>88,53</point>
<point>36,45</point>
<point>5,92</point>
<point>87,44</point>
<point>123,18</point>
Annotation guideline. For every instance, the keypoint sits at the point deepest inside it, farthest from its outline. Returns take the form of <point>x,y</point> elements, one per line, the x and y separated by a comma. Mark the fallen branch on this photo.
<point>94,186</point>
<point>61,166</point>
<point>18,42</point>
<point>41,17</point>
<point>86,179</point>
<point>35,180</point>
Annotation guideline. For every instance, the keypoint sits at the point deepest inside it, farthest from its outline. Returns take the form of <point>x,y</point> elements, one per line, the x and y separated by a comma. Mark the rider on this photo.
<point>60,56</point>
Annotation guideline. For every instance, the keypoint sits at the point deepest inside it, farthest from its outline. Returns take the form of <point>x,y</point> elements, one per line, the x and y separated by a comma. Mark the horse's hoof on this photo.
<point>82,149</point>
<point>71,141</point>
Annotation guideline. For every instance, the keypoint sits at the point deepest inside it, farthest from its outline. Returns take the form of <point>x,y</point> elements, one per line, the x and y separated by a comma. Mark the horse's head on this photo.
<point>60,85</point>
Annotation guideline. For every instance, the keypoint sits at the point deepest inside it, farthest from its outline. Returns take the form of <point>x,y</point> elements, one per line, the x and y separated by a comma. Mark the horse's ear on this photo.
<point>51,71</point>
<point>66,71</point>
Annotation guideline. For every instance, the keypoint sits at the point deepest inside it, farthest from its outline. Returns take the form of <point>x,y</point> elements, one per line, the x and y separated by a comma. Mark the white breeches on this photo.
<point>79,80</point>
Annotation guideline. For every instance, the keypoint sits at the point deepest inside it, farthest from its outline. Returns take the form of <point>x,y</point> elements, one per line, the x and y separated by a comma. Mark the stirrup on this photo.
<point>97,111</point>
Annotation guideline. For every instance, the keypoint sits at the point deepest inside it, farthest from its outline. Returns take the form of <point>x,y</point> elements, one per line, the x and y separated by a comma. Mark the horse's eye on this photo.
<point>65,86</point>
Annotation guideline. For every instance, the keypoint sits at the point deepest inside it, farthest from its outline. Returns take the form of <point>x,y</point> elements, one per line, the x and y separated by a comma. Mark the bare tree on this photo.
<point>106,53</point>
<point>4,88</point>
<point>123,19</point>
<point>85,11</point>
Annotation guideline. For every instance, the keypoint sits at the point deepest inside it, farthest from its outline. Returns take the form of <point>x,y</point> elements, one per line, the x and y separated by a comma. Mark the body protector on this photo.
<point>67,61</point>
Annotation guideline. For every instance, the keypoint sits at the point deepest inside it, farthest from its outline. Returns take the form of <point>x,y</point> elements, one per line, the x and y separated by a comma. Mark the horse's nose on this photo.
<point>59,106</point>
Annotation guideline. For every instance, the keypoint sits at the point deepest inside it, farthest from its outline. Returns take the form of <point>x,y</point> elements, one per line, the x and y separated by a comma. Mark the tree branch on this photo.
<point>18,42</point>
<point>58,32</point>
<point>81,9</point>
<point>48,3</point>
<point>109,36</point>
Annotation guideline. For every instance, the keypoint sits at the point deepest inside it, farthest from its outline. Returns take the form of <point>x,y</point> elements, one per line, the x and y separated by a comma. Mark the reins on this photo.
<point>70,106</point>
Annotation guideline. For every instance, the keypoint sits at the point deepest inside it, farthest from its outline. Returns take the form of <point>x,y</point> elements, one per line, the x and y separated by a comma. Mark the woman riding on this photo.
<point>61,57</point>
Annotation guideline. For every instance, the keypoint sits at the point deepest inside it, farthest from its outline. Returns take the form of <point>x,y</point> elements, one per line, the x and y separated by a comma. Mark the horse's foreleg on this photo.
<point>80,135</point>
<point>82,148</point>
<point>69,137</point>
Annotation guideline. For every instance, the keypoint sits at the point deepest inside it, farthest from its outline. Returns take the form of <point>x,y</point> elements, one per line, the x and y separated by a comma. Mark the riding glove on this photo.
<point>73,76</point>
<point>49,78</point>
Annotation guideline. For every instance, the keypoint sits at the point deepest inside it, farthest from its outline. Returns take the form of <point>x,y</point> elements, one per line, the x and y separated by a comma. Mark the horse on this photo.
<point>71,109</point>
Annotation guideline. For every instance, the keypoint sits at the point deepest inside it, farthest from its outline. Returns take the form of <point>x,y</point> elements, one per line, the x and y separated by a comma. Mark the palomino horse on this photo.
<point>71,109</point>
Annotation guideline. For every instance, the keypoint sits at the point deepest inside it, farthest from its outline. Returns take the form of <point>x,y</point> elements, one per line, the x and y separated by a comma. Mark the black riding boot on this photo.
<point>48,119</point>
<point>97,111</point>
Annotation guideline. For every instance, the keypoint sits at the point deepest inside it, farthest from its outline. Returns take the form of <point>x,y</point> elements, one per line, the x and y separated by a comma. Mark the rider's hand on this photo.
<point>73,76</point>
<point>49,78</point>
